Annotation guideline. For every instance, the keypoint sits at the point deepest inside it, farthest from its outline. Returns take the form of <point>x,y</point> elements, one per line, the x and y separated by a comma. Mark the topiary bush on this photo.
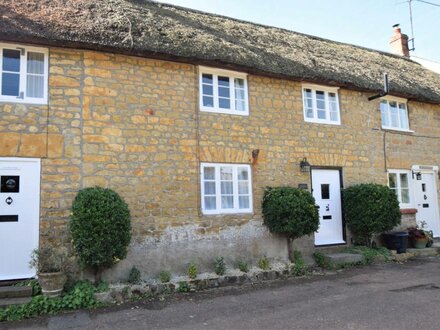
<point>370,209</point>
<point>291,212</point>
<point>100,227</point>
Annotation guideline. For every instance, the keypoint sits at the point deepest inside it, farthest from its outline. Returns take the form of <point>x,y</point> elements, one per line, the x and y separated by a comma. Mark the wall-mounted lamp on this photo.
<point>304,165</point>
<point>418,175</point>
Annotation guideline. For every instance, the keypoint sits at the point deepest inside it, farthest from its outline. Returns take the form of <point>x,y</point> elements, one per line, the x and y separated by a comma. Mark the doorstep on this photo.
<point>426,252</point>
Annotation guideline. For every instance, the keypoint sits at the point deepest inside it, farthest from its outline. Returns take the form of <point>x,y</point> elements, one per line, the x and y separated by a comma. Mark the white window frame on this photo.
<point>23,74</point>
<point>399,188</point>
<point>219,210</point>
<point>326,90</point>
<point>232,75</point>
<point>398,100</point>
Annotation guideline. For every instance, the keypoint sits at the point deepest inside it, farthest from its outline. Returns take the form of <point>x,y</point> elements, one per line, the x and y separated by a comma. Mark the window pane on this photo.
<point>209,188</point>
<point>207,90</point>
<point>321,114</point>
<point>227,188</point>
<point>392,180</point>
<point>243,188</point>
<point>239,94</point>
<point>403,116</point>
<point>227,202</point>
<point>239,105</point>
<point>226,173</point>
<point>320,100</point>
<point>308,93</point>
<point>243,173</point>
<point>207,78</point>
<point>223,92</point>
<point>394,114</point>
<point>208,101</point>
<point>239,83</point>
<point>384,113</point>
<point>403,180</point>
<point>325,191</point>
<point>210,203</point>
<point>11,60</point>
<point>35,86</point>
<point>35,63</point>
<point>209,173</point>
<point>243,202</point>
<point>10,84</point>
<point>224,103</point>
<point>405,196</point>
<point>334,116</point>
<point>223,81</point>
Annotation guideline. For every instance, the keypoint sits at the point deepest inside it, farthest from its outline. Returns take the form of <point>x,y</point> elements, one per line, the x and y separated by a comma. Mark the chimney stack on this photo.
<point>399,42</point>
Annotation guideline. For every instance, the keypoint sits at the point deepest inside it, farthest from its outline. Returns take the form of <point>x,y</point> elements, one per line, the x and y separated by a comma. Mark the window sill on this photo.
<point>393,129</point>
<point>23,101</point>
<point>234,212</point>
<point>225,111</point>
<point>312,121</point>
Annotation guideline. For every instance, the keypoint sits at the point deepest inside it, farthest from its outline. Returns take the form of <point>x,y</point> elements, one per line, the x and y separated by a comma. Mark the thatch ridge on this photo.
<point>150,29</point>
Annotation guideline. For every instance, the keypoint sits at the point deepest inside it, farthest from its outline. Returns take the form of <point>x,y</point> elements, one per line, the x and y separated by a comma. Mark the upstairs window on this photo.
<point>398,181</point>
<point>226,188</point>
<point>23,74</point>
<point>223,92</point>
<point>394,114</point>
<point>321,105</point>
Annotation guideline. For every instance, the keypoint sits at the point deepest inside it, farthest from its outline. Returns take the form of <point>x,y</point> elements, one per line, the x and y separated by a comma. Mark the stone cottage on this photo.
<point>189,116</point>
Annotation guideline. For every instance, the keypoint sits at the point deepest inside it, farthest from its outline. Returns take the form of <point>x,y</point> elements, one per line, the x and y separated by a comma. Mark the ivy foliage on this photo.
<point>370,209</point>
<point>100,227</point>
<point>290,211</point>
<point>80,296</point>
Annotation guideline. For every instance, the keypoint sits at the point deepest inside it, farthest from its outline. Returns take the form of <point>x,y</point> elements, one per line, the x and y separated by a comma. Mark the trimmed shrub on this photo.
<point>100,228</point>
<point>135,276</point>
<point>193,271</point>
<point>291,212</point>
<point>243,266</point>
<point>370,209</point>
<point>263,263</point>
<point>165,276</point>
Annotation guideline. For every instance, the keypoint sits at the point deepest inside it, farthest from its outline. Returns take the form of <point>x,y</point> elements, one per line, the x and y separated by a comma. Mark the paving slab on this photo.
<point>71,320</point>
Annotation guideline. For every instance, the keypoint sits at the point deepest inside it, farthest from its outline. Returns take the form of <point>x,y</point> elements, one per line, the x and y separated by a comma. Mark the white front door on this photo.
<point>19,215</point>
<point>426,201</point>
<point>326,187</point>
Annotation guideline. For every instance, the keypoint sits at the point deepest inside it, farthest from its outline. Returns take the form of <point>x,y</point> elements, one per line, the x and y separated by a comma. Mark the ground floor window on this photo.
<point>226,188</point>
<point>398,181</point>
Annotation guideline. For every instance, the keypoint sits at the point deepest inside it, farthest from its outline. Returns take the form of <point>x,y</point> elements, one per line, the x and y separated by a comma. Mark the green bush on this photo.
<point>100,227</point>
<point>243,266</point>
<point>183,286</point>
<point>370,209</point>
<point>219,266</point>
<point>135,276</point>
<point>263,263</point>
<point>165,276</point>
<point>291,212</point>
<point>193,271</point>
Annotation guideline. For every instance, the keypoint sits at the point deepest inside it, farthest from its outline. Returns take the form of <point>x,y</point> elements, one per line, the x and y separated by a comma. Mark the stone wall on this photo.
<point>133,125</point>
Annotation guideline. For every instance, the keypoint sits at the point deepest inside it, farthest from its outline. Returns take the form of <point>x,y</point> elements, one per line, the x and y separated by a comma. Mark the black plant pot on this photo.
<point>396,241</point>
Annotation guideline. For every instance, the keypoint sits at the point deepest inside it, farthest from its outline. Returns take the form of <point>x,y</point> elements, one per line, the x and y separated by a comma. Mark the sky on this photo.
<point>366,23</point>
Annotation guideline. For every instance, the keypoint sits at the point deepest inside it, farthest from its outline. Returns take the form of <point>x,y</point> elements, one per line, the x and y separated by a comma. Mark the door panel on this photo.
<point>426,202</point>
<point>327,193</point>
<point>19,215</point>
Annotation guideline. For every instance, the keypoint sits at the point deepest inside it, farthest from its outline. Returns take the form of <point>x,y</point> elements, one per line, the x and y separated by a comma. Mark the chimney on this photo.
<point>399,42</point>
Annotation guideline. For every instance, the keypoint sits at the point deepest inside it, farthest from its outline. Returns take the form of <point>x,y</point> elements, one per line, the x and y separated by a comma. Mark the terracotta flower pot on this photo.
<point>52,284</point>
<point>420,243</point>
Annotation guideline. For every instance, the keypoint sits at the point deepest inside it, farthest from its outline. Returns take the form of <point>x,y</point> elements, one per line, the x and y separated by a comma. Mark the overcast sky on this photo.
<point>366,23</point>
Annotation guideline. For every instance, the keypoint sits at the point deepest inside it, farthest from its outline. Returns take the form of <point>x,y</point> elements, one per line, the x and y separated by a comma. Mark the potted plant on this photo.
<point>49,264</point>
<point>419,237</point>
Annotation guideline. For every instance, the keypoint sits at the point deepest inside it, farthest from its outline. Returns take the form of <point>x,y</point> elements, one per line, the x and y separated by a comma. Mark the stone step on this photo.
<point>5,302</point>
<point>426,252</point>
<point>344,258</point>
<point>15,291</point>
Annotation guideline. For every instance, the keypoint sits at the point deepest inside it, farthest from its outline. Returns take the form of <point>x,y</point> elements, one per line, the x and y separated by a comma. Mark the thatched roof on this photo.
<point>145,28</point>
